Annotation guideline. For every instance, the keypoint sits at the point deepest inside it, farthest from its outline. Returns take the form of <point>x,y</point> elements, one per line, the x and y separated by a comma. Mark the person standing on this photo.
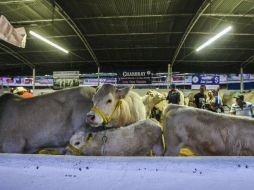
<point>200,98</point>
<point>241,107</point>
<point>173,95</point>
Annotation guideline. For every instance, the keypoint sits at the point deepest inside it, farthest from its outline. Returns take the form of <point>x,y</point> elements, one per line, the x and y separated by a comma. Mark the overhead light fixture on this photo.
<point>48,42</point>
<point>214,38</point>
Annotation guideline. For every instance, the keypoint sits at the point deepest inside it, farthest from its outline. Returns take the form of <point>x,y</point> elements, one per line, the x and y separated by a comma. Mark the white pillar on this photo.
<point>33,79</point>
<point>169,75</point>
<point>98,74</point>
<point>241,80</point>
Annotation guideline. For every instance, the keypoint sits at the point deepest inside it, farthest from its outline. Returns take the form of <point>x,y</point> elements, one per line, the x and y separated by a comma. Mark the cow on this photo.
<point>115,107</point>
<point>207,133</point>
<point>27,125</point>
<point>137,139</point>
<point>152,98</point>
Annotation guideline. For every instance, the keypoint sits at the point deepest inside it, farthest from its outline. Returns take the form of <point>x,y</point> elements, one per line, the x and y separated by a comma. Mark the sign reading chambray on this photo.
<point>246,110</point>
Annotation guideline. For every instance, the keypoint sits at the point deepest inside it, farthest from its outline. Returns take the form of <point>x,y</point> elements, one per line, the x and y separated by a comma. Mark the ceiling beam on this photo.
<point>16,2</point>
<point>75,28</point>
<point>16,55</point>
<point>140,34</point>
<point>132,60</point>
<point>130,48</point>
<point>248,61</point>
<point>132,17</point>
<point>192,23</point>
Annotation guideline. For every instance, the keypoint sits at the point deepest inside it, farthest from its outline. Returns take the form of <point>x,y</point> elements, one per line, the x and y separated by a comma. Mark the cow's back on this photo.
<point>207,133</point>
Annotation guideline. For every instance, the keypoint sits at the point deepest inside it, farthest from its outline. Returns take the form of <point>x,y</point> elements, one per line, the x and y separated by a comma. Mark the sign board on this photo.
<point>211,81</point>
<point>64,79</point>
<point>206,79</point>
<point>134,77</point>
<point>94,82</point>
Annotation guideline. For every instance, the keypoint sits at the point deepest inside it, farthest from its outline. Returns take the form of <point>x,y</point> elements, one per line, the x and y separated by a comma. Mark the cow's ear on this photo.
<point>122,92</point>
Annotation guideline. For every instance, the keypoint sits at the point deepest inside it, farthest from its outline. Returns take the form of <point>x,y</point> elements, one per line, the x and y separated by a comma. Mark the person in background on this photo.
<point>217,104</point>
<point>173,95</point>
<point>209,101</point>
<point>241,107</point>
<point>21,91</point>
<point>200,98</point>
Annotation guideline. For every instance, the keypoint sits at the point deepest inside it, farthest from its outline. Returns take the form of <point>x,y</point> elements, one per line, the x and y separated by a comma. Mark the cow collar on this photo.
<point>74,149</point>
<point>107,120</point>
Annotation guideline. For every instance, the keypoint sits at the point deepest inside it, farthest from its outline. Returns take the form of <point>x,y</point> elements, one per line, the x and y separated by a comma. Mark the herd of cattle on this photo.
<point>116,121</point>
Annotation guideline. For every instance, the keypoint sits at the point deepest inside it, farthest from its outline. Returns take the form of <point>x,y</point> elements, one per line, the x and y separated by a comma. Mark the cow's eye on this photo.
<point>109,101</point>
<point>77,143</point>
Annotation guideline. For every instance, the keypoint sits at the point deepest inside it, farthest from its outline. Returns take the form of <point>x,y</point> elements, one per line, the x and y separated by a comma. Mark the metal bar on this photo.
<point>33,79</point>
<point>133,60</point>
<point>133,16</point>
<point>192,23</point>
<point>75,28</point>
<point>241,79</point>
<point>130,48</point>
<point>143,34</point>
<point>248,61</point>
<point>11,52</point>
<point>228,15</point>
<point>16,2</point>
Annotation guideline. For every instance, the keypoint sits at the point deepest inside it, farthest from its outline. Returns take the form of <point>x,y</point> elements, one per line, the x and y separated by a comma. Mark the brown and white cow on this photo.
<point>207,133</point>
<point>115,107</point>
<point>137,139</point>
<point>27,125</point>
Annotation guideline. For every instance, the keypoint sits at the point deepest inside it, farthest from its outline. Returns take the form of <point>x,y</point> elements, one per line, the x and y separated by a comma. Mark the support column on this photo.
<point>33,79</point>
<point>169,75</point>
<point>241,79</point>
<point>98,75</point>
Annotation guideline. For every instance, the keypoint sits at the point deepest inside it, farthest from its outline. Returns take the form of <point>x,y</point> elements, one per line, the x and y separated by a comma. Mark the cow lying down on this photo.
<point>207,133</point>
<point>137,139</point>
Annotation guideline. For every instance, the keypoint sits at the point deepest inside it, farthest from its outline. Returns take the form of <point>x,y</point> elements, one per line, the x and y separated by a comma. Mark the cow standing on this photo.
<point>115,107</point>
<point>207,133</point>
<point>27,125</point>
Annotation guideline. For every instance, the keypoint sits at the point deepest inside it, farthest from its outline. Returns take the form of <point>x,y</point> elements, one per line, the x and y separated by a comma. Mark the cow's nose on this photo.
<point>90,117</point>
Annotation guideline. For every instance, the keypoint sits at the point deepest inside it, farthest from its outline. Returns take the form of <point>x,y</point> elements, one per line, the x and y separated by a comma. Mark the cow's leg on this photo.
<point>158,148</point>
<point>14,145</point>
<point>173,145</point>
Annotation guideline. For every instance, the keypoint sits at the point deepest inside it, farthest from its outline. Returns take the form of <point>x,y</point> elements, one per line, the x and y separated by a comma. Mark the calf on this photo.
<point>134,140</point>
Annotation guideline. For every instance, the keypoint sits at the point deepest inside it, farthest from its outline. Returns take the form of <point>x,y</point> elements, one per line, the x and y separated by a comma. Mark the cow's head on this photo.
<point>106,103</point>
<point>155,97</point>
<point>80,142</point>
<point>76,141</point>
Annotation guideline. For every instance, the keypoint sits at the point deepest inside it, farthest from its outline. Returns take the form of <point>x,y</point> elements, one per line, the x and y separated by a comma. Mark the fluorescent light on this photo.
<point>48,42</point>
<point>214,38</point>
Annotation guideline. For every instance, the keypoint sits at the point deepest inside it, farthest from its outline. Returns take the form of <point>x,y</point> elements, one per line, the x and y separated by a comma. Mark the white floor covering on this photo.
<point>45,172</point>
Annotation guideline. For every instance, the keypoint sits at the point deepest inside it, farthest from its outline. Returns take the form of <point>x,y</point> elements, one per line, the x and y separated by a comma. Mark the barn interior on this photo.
<point>117,35</point>
<point>113,37</point>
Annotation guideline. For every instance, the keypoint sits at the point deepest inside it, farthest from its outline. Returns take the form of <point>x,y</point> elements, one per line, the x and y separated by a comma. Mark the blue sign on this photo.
<point>206,79</point>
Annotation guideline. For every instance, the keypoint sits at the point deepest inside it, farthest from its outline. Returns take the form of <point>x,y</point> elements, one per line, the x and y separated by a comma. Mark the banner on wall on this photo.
<point>134,77</point>
<point>211,81</point>
<point>94,82</point>
<point>64,79</point>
